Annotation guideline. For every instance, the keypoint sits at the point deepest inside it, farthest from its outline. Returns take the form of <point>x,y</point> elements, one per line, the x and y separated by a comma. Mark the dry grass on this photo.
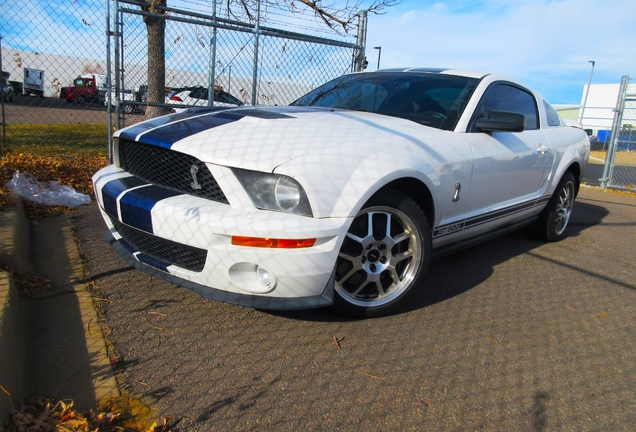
<point>72,170</point>
<point>621,158</point>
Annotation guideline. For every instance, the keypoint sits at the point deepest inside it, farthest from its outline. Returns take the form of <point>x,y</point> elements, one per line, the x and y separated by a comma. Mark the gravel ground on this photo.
<point>511,335</point>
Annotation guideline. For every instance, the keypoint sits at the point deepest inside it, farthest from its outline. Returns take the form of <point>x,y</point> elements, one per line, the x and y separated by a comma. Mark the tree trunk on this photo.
<point>156,27</point>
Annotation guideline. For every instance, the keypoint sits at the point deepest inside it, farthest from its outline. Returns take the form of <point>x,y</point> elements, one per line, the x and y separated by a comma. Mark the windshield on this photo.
<point>431,99</point>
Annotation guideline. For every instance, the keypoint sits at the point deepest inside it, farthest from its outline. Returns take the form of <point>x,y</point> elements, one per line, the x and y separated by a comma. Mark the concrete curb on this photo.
<point>13,371</point>
<point>51,344</point>
<point>15,234</point>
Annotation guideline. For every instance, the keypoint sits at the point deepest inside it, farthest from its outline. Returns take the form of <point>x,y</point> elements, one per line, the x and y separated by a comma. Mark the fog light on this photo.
<point>263,276</point>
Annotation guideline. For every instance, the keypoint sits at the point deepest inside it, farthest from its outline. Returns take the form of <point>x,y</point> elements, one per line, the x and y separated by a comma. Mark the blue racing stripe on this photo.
<point>153,262</point>
<point>137,204</point>
<point>170,134</point>
<point>114,188</point>
<point>132,132</point>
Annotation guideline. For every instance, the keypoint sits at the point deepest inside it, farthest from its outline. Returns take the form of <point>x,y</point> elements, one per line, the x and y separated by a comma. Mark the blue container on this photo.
<point>603,135</point>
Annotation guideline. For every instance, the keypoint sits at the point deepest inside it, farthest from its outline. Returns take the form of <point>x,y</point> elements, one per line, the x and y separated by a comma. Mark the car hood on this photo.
<point>264,138</point>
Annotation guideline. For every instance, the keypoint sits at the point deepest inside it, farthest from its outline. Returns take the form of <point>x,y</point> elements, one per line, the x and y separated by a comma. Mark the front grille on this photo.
<point>167,251</point>
<point>169,169</point>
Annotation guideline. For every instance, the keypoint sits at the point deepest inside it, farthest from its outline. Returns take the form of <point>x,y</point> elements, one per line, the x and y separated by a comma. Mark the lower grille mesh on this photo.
<point>167,251</point>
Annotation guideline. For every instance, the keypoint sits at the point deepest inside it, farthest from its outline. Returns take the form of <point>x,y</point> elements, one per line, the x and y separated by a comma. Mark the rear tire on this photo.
<point>80,100</point>
<point>128,109</point>
<point>383,258</point>
<point>554,219</point>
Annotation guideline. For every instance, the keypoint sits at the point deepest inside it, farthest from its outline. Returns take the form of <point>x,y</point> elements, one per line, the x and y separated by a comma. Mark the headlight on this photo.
<point>274,192</point>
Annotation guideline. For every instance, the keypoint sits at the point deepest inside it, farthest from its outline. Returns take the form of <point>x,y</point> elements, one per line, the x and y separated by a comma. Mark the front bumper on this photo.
<point>185,224</point>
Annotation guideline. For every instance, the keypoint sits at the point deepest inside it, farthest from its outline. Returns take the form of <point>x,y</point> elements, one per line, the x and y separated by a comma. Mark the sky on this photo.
<point>546,44</point>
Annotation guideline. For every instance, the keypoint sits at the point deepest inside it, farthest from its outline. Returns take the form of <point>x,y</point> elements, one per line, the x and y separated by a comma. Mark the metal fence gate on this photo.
<point>257,65</point>
<point>619,171</point>
<point>45,48</point>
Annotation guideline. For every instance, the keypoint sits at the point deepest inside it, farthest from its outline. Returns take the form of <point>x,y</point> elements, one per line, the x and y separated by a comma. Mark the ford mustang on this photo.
<point>341,198</point>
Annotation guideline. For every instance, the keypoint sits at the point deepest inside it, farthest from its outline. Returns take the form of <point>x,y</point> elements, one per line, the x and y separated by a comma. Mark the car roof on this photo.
<point>444,71</point>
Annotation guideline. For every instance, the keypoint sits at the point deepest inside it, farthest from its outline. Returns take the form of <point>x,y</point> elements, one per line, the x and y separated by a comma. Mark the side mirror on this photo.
<point>502,121</point>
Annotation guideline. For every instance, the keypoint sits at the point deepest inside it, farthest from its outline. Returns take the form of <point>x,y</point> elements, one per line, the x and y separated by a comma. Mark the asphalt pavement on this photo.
<point>513,334</point>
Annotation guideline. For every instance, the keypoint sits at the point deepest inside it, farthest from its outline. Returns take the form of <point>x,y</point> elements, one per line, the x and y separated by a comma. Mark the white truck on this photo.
<point>33,82</point>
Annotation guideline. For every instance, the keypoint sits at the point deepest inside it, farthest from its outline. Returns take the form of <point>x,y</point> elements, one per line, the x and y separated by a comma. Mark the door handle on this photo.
<point>542,149</point>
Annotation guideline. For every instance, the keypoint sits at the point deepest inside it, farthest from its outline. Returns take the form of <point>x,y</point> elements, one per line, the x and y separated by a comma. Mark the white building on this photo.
<point>600,106</point>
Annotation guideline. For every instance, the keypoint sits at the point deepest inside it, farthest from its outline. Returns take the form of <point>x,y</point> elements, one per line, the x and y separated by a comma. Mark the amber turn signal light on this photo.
<point>272,243</point>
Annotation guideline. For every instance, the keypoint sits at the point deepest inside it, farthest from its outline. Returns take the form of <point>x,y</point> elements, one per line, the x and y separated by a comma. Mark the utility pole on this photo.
<point>359,61</point>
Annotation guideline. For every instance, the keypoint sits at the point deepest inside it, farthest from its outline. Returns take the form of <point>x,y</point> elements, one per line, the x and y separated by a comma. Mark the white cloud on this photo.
<point>545,43</point>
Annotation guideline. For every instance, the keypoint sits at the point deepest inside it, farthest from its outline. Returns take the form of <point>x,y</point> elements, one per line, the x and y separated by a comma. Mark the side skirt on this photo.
<point>465,244</point>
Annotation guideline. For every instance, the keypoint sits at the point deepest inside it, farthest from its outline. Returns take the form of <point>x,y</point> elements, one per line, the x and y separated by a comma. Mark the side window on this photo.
<point>552,116</point>
<point>504,97</point>
<point>199,93</point>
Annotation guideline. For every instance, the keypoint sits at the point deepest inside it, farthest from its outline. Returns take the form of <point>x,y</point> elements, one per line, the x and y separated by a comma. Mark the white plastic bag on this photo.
<point>51,193</point>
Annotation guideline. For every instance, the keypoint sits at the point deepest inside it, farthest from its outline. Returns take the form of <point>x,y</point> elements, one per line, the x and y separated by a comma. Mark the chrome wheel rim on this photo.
<point>564,208</point>
<point>379,258</point>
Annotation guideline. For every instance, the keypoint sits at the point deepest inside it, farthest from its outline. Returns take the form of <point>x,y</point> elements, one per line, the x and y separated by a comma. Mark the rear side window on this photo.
<point>552,116</point>
<point>506,97</point>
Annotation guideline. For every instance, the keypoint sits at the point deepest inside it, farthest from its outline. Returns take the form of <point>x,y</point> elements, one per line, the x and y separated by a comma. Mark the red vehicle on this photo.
<point>85,89</point>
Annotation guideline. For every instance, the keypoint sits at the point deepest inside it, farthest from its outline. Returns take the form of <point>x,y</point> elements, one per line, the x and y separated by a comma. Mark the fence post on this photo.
<point>616,126</point>
<point>118,63</point>
<point>109,101</point>
<point>361,42</point>
<point>257,30</point>
<point>4,126</point>
<point>212,65</point>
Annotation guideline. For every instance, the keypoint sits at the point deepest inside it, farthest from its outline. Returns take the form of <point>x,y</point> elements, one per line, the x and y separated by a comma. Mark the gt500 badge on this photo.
<point>195,182</point>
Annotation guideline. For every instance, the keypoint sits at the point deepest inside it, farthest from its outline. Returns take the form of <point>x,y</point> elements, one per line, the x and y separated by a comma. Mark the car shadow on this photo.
<point>462,271</point>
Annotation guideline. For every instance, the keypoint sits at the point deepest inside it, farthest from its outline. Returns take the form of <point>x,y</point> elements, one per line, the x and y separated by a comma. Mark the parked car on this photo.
<point>198,96</point>
<point>341,198</point>
<point>140,94</point>
<point>6,89</point>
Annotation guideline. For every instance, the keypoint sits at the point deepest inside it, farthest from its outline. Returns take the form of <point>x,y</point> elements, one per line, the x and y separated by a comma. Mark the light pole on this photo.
<point>587,91</point>
<point>379,48</point>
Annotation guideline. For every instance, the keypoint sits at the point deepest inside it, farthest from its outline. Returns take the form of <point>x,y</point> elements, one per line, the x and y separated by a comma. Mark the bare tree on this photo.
<point>156,26</point>
<point>339,15</point>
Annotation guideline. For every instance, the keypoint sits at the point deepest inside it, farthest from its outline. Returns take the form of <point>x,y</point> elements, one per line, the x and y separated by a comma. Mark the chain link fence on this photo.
<point>56,64</point>
<point>250,64</point>
<point>620,164</point>
<point>45,47</point>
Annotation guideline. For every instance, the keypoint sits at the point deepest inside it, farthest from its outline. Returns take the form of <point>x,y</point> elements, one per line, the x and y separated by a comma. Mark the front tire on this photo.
<point>383,257</point>
<point>554,219</point>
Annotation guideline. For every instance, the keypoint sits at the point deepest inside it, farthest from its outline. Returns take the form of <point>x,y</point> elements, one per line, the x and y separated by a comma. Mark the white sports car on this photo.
<point>341,198</point>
